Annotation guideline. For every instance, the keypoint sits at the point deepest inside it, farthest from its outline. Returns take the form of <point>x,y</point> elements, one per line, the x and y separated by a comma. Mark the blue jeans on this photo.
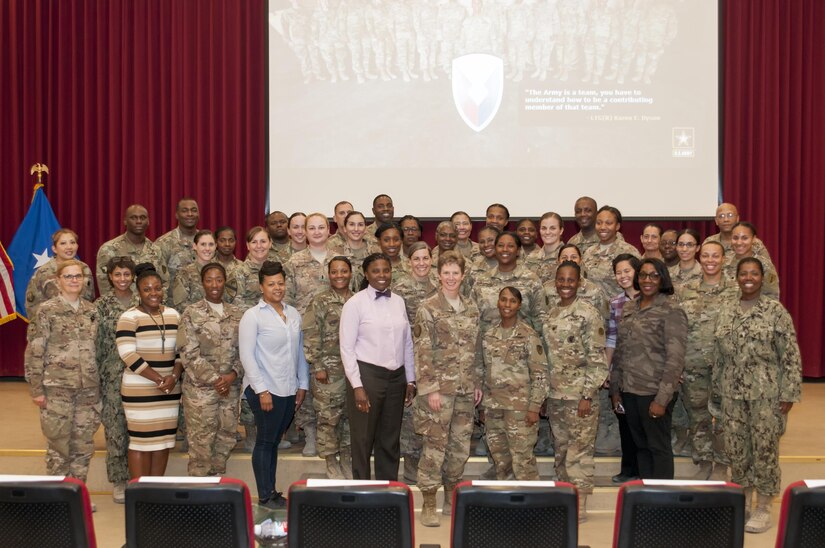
<point>271,425</point>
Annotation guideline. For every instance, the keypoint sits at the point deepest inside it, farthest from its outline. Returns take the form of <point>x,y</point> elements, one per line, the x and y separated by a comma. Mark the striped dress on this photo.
<point>151,415</point>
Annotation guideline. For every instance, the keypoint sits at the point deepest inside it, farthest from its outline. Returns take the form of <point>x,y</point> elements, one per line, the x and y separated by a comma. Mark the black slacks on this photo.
<point>651,436</point>
<point>379,430</point>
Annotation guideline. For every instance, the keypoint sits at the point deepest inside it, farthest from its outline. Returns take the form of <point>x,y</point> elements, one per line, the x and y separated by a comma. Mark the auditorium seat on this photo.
<point>336,513</point>
<point>38,511</point>
<point>679,514</point>
<point>513,514</point>
<point>802,520</point>
<point>183,512</point>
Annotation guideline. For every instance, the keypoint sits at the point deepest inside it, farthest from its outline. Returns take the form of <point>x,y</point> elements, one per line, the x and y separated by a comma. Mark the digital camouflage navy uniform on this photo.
<point>757,366</point>
<point>208,343</point>
<point>60,365</point>
<point>110,367</point>
<point>515,382</point>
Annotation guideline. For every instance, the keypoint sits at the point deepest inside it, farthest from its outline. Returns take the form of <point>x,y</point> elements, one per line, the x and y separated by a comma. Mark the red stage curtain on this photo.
<point>130,101</point>
<point>151,100</point>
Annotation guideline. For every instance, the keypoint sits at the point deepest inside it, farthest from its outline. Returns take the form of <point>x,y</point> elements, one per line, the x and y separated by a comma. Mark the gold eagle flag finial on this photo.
<point>39,169</point>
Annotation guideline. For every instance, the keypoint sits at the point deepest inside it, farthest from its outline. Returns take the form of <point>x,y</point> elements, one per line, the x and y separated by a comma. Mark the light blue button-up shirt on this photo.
<point>272,351</point>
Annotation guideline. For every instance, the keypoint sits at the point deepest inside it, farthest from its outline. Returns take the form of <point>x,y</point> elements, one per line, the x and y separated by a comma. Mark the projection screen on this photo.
<point>448,105</point>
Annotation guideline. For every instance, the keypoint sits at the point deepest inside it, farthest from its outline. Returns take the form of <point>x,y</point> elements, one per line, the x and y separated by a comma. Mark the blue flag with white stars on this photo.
<point>31,246</point>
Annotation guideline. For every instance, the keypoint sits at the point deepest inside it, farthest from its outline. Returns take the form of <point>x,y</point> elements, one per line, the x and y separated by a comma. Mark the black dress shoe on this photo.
<point>621,478</point>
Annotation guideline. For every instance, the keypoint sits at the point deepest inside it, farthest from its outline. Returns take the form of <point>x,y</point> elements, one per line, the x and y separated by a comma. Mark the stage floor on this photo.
<point>802,455</point>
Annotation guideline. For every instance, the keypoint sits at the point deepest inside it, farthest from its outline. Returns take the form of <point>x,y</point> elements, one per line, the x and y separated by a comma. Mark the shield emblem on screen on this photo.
<point>478,84</point>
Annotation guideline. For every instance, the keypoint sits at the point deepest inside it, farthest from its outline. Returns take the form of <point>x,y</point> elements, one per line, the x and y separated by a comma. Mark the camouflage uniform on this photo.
<point>515,382</point>
<point>447,361</point>
<point>176,251</point>
<point>329,32</point>
<point>543,264</point>
<point>573,21</point>
<point>588,292</point>
<point>352,13</point>
<point>548,30</point>
<point>425,22</point>
<point>657,30</point>
<point>379,27</point>
<point>757,366</point>
<point>110,368</point>
<point>280,253</point>
<point>476,268</point>
<point>470,250</point>
<point>122,247</point>
<point>494,12</point>
<point>575,339</point>
<point>488,285</point>
<point>356,257</point>
<point>603,28</point>
<point>401,17</point>
<point>414,294</point>
<point>770,280</point>
<point>300,40</point>
<point>585,242</point>
<point>188,288</point>
<point>321,347</point>
<point>629,43</point>
<point>702,303</point>
<point>305,278</point>
<point>681,277</point>
<point>243,282</point>
<point>520,33</point>
<point>60,365</point>
<point>450,20</point>
<point>208,346</point>
<point>598,262</point>
<point>758,246</point>
<point>43,285</point>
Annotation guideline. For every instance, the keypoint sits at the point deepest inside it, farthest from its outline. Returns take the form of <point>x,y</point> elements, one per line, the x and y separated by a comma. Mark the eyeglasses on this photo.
<point>69,277</point>
<point>668,242</point>
<point>652,276</point>
<point>726,216</point>
<point>686,244</point>
<point>410,229</point>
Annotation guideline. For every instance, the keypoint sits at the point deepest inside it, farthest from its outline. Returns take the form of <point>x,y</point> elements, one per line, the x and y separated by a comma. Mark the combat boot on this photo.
<point>705,469</point>
<point>720,472</point>
<point>310,450</point>
<point>428,516</point>
<point>447,509</point>
<point>582,507</point>
<point>333,467</point>
<point>748,502</point>
<point>760,520</point>
<point>346,462</point>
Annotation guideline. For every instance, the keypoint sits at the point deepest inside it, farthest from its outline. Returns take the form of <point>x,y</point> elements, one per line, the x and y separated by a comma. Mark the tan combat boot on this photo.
<point>582,507</point>
<point>761,517</point>
<point>720,472</point>
<point>333,467</point>
<point>704,472</point>
<point>428,515</point>
<point>346,461</point>
<point>447,509</point>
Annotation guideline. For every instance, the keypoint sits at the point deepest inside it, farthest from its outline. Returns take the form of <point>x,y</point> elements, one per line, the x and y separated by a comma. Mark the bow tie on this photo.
<point>386,293</point>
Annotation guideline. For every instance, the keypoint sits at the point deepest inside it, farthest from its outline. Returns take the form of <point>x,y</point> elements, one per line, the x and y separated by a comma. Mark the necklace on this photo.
<point>161,328</point>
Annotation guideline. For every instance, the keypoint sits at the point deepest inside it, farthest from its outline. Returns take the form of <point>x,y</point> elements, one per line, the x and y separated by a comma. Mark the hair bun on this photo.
<point>144,267</point>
